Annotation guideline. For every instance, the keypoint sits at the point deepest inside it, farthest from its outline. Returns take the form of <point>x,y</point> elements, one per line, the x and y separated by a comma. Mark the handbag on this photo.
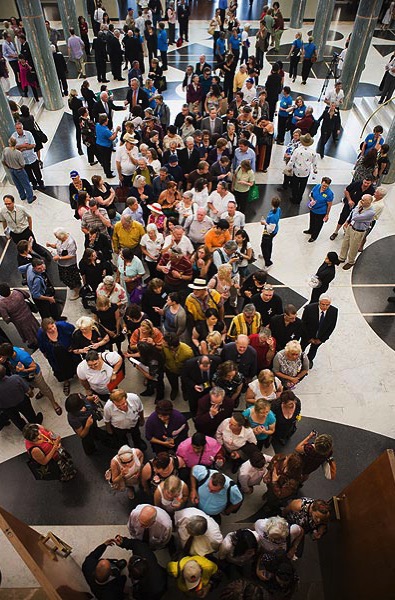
<point>161,83</point>
<point>31,305</point>
<point>179,42</point>
<point>313,59</point>
<point>40,135</point>
<point>211,30</point>
<point>329,468</point>
<point>120,375</point>
<point>88,297</point>
<point>253,193</point>
<point>314,282</point>
<point>136,294</point>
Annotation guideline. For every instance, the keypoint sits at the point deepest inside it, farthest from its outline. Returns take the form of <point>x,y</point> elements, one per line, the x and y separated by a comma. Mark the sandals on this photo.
<point>66,388</point>
<point>333,236</point>
<point>58,409</point>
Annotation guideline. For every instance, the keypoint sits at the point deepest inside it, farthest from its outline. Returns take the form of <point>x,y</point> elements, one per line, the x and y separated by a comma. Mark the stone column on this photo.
<point>390,140</point>
<point>7,126</point>
<point>362,33</point>
<point>321,25</point>
<point>297,13</point>
<point>37,37</point>
<point>68,14</point>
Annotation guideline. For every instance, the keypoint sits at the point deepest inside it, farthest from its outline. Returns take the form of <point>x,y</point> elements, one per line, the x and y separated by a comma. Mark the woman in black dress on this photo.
<point>93,269</point>
<point>286,409</point>
<point>103,192</point>
<point>89,335</point>
<point>75,104</point>
<point>28,123</point>
<point>110,319</point>
<point>88,95</point>
<point>154,298</point>
<point>326,273</point>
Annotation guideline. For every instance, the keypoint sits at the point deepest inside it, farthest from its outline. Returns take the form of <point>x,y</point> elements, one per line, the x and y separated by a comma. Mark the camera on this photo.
<point>237,255</point>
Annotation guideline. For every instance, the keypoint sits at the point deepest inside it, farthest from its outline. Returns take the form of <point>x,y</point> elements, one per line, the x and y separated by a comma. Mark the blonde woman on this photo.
<point>214,342</point>
<point>226,284</point>
<point>66,256</point>
<point>125,469</point>
<point>89,335</point>
<point>267,386</point>
<point>291,364</point>
<point>262,420</point>
<point>171,494</point>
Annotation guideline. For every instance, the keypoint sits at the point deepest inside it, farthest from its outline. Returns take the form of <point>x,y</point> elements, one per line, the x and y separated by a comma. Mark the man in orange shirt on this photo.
<point>217,236</point>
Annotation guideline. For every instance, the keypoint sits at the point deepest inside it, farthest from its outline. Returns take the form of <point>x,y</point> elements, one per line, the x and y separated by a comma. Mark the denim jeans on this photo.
<point>22,184</point>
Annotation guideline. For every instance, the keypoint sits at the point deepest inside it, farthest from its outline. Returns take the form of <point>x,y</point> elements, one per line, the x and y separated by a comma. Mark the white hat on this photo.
<point>198,284</point>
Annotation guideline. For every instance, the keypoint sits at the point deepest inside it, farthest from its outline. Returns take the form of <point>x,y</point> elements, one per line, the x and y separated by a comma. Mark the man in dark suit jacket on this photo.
<point>188,157</point>
<point>105,106</point>
<point>196,378</point>
<point>320,320</point>
<point>136,96</point>
<point>221,170</point>
<point>104,575</point>
<point>201,65</point>
<point>212,123</point>
<point>287,327</point>
<point>115,53</point>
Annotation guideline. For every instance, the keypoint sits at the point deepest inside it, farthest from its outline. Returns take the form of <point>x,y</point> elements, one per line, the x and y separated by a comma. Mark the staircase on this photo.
<point>364,107</point>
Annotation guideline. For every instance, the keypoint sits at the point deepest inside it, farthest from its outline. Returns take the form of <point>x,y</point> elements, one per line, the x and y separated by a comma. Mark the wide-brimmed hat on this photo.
<point>156,208</point>
<point>306,139</point>
<point>128,137</point>
<point>192,573</point>
<point>198,284</point>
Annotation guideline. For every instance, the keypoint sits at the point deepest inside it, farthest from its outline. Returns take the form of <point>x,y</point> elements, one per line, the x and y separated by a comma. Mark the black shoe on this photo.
<point>311,364</point>
<point>39,418</point>
<point>94,163</point>
<point>148,392</point>
<point>80,152</point>
<point>311,239</point>
<point>122,79</point>
<point>307,231</point>
<point>110,175</point>
<point>41,187</point>
<point>106,81</point>
<point>269,264</point>
<point>121,564</point>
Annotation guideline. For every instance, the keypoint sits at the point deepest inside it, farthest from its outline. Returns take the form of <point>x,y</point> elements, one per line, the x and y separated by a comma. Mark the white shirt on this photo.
<point>249,476</point>
<point>226,550</point>
<point>232,441</point>
<point>202,544</point>
<point>140,24</point>
<point>154,247</point>
<point>336,97</point>
<point>120,419</point>
<point>237,222</point>
<point>200,197</point>
<point>98,380</point>
<point>123,156</point>
<point>98,15</point>
<point>249,94</point>
<point>219,203</point>
<point>255,387</point>
<point>302,161</point>
<point>185,244</point>
<point>159,532</point>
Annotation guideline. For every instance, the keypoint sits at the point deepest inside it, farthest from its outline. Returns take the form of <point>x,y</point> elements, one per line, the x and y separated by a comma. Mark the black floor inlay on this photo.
<point>63,145</point>
<point>385,50</point>
<point>332,35</point>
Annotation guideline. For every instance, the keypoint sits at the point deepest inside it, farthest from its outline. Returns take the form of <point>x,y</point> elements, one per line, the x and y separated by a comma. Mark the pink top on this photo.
<point>23,71</point>
<point>45,446</point>
<point>192,459</point>
<point>158,220</point>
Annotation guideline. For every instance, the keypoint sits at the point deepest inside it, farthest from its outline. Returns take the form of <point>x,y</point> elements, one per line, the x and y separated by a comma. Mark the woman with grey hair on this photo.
<point>66,256</point>
<point>291,364</point>
<point>276,538</point>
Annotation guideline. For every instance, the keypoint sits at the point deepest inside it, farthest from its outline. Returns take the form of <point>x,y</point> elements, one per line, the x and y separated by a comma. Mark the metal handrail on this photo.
<point>373,113</point>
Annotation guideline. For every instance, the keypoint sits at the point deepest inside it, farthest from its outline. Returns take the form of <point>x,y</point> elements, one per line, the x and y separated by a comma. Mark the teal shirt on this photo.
<point>270,419</point>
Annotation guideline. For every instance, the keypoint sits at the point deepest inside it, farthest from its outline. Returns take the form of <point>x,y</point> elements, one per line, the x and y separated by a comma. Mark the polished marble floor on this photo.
<point>349,393</point>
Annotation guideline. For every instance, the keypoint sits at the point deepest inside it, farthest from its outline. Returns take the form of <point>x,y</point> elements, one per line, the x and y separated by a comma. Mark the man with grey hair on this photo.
<point>105,106</point>
<point>235,218</point>
<point>245,323</point>
<point>136,96</point>
<point>178,239</point>
<point>356,226</point>
<point>197,532</point>
<point>378,205</point>
<point>196,226</point>
<point>213,408</point>
<point>188,157</point>
<point>320,320</point>
<point>115,53</point>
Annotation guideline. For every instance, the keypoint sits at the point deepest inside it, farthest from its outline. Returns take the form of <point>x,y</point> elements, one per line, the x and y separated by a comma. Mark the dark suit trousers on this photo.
<point>23,408</point>
<point>104,154</point>
<point>316,223</point>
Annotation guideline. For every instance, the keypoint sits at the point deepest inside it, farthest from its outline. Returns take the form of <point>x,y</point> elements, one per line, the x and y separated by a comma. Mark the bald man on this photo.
<point>151,525</point>
<point>104,574</point>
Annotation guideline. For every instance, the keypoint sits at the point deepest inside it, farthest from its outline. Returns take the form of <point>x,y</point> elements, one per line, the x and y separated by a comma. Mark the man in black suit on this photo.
<point>136,96</point>
<point>320,320</point>
<point>104,575</point>
<point>105,106</point>
<point>115,53</point>
<point>201,65</point>
<point>287,327</point>
<point>221,170</point>
<point>188,157</point>
<point>196,378</point>
<point>213,123</point>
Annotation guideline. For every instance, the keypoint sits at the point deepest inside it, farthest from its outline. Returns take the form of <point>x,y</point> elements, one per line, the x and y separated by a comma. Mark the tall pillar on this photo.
<point>297,14</point>
<point>68,15</point>
<point>37,37</point>
<point>7,125</point>
<point>390,140</point>
<point>362,33</point>
<point>322,24</point>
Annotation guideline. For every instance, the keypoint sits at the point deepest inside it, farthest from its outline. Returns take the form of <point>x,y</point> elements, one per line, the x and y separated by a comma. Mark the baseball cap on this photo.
<point>74,174</point>
<point>192,573</point>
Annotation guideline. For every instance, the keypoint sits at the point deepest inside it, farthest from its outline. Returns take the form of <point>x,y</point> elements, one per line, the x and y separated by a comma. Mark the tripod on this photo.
<point>332,72</point>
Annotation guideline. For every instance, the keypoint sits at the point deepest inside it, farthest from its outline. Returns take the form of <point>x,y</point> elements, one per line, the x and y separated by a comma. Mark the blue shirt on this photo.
<point>309,50</point>
<point>371,142</point>
<point>214,503</point>
<point>321,199</point>
<point>239,156</point>
<point>234,43</point>
<point>285,102</point>
<point>162,41</point>
<point>21,356</point>
<point>223,4</point>
<point>103,134</point>
<point>270,419</point>
<point>220,46</point>
<point>298,112</point>
<point>296,47</point>
<point>273,219</point>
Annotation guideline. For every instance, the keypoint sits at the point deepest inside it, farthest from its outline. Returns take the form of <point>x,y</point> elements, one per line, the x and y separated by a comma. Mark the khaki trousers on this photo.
<point>350,245</point>
<point>40,383</point>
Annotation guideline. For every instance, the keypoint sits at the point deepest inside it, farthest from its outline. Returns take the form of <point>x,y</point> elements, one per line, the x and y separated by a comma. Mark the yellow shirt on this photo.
<point>208,569</point>
<point>197,308</point>
<point>174,361</point>
<point>127,238</point>
<point>239,80</point>
<point>239,326</point>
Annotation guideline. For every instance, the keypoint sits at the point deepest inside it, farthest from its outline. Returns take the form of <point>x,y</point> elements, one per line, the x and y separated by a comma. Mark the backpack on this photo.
<point>88,297</point>
<point>228,491</point>
<point>314,127</point>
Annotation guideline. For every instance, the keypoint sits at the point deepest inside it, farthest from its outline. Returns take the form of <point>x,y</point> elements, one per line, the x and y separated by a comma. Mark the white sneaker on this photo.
<point>74,295</point>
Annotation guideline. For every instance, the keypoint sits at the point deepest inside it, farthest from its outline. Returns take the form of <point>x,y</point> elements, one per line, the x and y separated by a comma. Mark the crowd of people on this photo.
<point>166,277</point>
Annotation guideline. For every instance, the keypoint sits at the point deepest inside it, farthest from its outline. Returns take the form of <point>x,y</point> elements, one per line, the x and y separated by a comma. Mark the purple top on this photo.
<point>177,428</point>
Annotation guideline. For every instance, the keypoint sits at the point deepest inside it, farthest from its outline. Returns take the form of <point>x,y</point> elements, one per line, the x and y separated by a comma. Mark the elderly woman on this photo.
<point>66,257</point>
<point>145,333</point>
<point>243,180</point>
<point>202,329</point>
<point>151,245</point>
<point>125,469</point>
<point>320,203</point>
<point>293,144</point>
<point>291,364</point>
<point>228,378</point>
<point>157,217</point>
<point>158,469</point>
<point>237,438</point>
<point>46,450</point>
<point>114,291</point>
<point>214,341</point>
<point>286,409</point>
<point>171,494</point>
<point>266,386</point>
<point>277,539</point>
<point>262,421</point>
<point>130,273</point>
<point>143,192</point>
<point>55,342</point>
<point>186,207</point>
<point>166,427</point>
<point>89,335</point>
<point>14,309</point>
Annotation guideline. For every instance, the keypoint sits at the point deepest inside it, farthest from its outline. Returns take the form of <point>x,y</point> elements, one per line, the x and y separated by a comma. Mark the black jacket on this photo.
<point>267,309</point>
<point>192,375</point>
<point>188,164</point>
<point>142,98</point>
<point>98,109</point>
<point>60,65</point>
<point>113,589</point>
<point>154,585</point>
<point>311,319</point>
<point>283,333</point>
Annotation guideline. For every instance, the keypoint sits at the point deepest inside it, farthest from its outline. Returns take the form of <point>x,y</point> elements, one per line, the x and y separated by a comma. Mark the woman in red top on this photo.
<point>45,448</point>
<point>84,34</point>
<point>28,77</point>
